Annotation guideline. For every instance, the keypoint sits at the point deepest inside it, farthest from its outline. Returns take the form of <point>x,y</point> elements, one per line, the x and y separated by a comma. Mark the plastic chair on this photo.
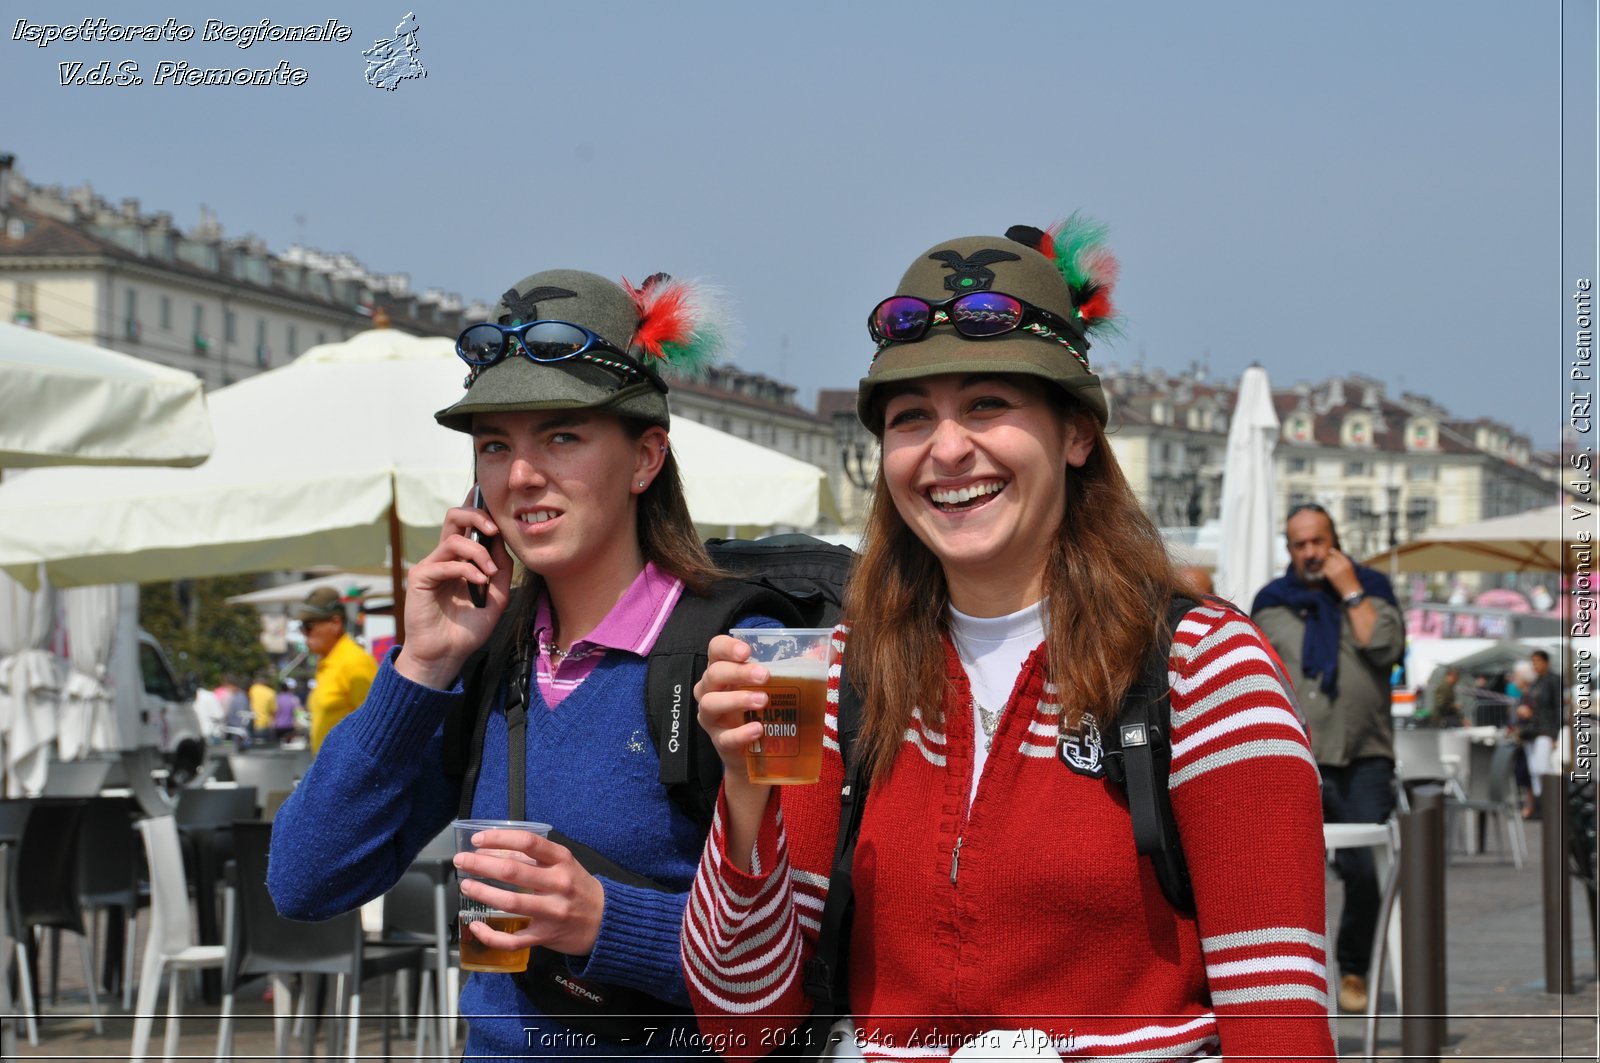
<point>44,895</point>
<point>267,772</point>
<point>77,778</point>
<point>1419,758</point>
<point>139,765</point>
<point>267,943</point>
<point>8,1013</point>
<point>205,817</point>
<point>420,909</point>
<point>171,943</point>
<point>1495,796</point>
<point>1384,839</point>
<point>108,874</point>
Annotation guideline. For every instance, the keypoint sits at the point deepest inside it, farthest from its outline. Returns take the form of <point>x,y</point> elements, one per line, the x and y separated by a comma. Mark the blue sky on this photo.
<point>1363,186</point>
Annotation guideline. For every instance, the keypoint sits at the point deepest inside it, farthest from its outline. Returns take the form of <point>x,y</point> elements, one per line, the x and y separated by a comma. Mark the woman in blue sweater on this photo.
<point>568,418</point>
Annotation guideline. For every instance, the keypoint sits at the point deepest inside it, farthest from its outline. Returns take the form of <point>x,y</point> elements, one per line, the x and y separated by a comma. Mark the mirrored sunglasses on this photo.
<point>486,344</point>
<point>976,315</point>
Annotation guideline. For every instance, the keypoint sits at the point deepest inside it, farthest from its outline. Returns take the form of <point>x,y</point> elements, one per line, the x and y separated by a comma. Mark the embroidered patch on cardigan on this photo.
<point>1081,750</point>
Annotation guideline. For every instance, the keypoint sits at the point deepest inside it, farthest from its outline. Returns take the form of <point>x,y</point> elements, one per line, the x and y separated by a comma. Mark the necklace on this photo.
<point>989,718</point>
<point>554,652</point>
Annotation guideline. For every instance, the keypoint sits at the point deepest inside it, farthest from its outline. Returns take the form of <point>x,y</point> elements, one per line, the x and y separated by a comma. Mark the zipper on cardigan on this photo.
<point>955,860</point>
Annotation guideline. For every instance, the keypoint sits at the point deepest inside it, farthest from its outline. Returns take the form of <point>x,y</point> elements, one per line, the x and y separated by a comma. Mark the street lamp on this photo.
<point>855,449</point>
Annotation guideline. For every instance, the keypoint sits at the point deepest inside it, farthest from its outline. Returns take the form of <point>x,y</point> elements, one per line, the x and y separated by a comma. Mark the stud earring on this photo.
<point>641,483</point>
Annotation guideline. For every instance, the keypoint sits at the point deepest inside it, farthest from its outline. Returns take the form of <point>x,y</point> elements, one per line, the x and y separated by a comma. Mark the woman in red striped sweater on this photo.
<point>1008,590</point>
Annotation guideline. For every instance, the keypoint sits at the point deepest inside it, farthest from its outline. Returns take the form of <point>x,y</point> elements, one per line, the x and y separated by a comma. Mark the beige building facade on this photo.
<point>74,265</point>
<point>1388,469</point>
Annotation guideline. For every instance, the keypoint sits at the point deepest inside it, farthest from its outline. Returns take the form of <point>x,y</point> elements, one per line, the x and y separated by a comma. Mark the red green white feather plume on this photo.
<point>1077,248</point>
<point>679,322</point>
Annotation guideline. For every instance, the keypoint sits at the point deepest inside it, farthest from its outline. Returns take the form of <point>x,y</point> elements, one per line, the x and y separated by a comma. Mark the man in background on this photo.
<point>344,670</point>
<point>1539,720</point>
<point>1339,632</point>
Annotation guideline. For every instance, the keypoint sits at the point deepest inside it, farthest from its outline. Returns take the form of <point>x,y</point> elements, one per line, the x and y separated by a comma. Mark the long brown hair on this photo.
<point>1107,581</point>
<point>667,536</point>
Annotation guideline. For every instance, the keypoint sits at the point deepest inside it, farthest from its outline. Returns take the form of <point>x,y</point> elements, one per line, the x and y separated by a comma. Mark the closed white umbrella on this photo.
<point>1249,491</point>
<point>334,459</point>
<point>68,403</point>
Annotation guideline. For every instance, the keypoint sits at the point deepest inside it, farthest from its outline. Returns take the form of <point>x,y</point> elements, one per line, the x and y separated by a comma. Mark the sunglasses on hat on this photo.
<point>976,315</point>
<point>487,344</point>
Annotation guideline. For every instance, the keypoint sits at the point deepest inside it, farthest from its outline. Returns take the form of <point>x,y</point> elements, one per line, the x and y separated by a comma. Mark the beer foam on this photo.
<point>797,668</point>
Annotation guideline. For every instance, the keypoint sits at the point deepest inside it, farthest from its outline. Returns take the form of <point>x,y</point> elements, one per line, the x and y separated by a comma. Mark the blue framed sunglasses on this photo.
<point>487,344</point>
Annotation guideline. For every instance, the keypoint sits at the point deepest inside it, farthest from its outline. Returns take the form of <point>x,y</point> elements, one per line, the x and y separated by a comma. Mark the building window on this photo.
<point>263,354</point>
<point>1357,432</point>
<point>130,321</point>
<point>1301,465</point>
<point>229,327</point>
<point>1422,435</point>
<point>166,313</point>
<point>1421,514</point>
<point>290,345</point>
<point>322,337</point>
<point>1419,471</point>
<point>1357,469</point>
<point>25,315</point>
<point>1356,508</point>
<point>1299,498</point>
<point>202,342</point>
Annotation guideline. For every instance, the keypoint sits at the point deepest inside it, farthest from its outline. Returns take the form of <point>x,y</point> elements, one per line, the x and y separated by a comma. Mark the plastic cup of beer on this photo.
<point>475,955</point>
<point>796,659</point>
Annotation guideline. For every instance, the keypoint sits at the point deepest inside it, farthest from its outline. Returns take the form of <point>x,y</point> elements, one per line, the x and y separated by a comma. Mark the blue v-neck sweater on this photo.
<point>376,794</point>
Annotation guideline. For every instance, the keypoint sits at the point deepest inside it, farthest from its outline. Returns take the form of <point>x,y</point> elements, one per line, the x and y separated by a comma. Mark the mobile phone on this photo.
<point>478,591</point>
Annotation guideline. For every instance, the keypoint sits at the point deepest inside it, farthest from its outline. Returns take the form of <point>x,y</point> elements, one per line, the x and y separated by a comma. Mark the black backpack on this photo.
<point>795,579</point>
<point>1138,757</point>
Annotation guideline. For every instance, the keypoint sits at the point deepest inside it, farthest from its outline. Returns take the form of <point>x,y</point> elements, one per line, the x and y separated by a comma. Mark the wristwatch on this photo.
<point>1354,598</point>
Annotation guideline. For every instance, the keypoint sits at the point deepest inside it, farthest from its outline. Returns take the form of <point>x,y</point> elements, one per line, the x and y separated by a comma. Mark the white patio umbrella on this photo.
<point>1249,488</point>
<point>1535,541</point>
<point>334,459</point>
<point>349,584</point>
<point>735,485</point>
<point>63,402</point>
<point>68,403</point>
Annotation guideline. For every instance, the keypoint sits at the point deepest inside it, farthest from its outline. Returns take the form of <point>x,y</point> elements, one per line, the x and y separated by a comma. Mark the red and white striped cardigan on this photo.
<point>1050,920</point>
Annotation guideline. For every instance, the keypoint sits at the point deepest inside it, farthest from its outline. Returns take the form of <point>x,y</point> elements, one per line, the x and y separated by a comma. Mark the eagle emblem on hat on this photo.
<point>524,307</point>
<point>972,273</point>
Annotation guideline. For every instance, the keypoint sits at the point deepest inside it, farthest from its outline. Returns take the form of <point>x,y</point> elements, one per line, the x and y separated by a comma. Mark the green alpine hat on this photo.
<point>657,322</point>
<point>1064,272</point>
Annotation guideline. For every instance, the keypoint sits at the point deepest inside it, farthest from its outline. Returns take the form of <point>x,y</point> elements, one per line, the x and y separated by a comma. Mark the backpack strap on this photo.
<point>1140,758</point>
<point>481,676</point>
<point>691,769</point>
<point>825,973</point>
<point>516,732</point>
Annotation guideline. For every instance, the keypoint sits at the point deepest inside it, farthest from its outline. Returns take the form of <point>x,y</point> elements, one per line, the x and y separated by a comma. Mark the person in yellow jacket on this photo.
<point>263,706</point>
<point>344,669</point>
